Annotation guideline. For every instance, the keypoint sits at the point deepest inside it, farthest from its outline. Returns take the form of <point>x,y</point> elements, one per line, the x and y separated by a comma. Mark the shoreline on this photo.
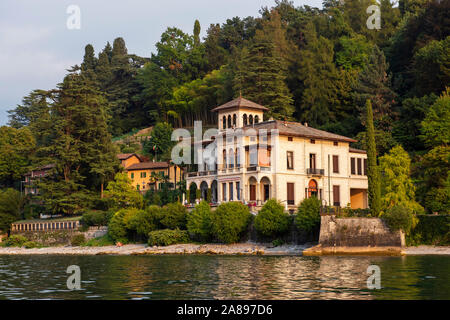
<point>243,249</point>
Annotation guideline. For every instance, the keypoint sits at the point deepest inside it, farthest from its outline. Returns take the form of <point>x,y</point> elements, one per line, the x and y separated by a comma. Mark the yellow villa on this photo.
<point>259,160</point>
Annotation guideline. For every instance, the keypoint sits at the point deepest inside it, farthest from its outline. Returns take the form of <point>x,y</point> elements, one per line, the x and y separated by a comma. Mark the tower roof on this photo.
<point>240,103</point>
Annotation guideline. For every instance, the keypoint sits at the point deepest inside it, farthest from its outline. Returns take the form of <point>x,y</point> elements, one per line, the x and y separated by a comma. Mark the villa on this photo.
<point>259,160</point>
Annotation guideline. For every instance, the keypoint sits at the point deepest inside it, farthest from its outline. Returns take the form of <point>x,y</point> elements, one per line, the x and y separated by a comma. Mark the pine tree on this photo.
<point>261,76</point>
<point>373,175</point>
<point>89,60</point>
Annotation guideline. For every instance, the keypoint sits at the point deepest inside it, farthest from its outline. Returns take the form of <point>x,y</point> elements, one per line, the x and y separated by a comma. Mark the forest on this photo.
<point>305,64</point>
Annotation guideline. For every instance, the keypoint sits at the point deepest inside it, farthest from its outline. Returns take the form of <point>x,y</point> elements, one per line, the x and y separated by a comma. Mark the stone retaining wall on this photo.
<point>358,232</point>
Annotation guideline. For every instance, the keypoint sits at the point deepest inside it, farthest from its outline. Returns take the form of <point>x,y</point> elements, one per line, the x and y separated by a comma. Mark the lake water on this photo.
<point>224,277</point>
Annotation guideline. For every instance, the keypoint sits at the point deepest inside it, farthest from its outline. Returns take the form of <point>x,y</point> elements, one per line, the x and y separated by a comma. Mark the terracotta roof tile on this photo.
<point>240,102</point>
<point>148,165</point>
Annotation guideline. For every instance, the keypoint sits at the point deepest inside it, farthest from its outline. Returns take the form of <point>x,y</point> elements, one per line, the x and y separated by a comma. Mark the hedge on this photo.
<point>167,237</point>
<point>430,230</point>
<point>230,221</point>
<point>272,219</point>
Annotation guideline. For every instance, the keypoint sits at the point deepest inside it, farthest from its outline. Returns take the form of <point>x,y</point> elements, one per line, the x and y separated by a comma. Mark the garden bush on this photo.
<point>272,219</point>
<point>430,230</point>
<point>173,216</point>
<point>78,240</point>
<point>106,240</point>
<point>308,215</point>
<point>31,245</point>
<point>15,241</point>
<point>399,218</point>
<point>199,221</point>
<point>142,222</point>
<point>95,218</point>
<point>230,221</point>
<point>167,237</point>
<point>117,227</point>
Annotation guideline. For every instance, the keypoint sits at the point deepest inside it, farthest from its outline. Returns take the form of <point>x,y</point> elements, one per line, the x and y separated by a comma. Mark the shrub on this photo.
<point>399,218</point>
<point>199,221</point>
<point>229,221</point>
<point>308,215</point>
<point>272,220</point>
<point>31,245</point>
<point>78,240</point>
<point>430,230</point>
<point>173,216</point>
<point>142,222</point>
<point>167,237</point>
<point>95,218</point>
<point>15,241</point>
<point>117,227</point>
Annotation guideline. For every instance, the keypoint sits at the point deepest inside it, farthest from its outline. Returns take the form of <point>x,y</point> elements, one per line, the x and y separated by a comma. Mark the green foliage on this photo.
<point>397,186</point>
<point>271,219</point>
<point>167,237</point>
<point>436,125</point>
<point>11,203</point>
<point>173,216</point>
<point>95,218</point>
<point>373,174</point>
<point>143,222</point>
<point>199,221</point>
<point>15,241</point>
<point>229,221</point>
<point>78,240</point>
<point>16,148</point>
<point>31,245</point>
<point>400,217</point>
<point>430,230</point>
<point>308,215</point>
<point>117,227</point>
<point>121,194</point>
<point>160,143</point>
<point>104,241</point>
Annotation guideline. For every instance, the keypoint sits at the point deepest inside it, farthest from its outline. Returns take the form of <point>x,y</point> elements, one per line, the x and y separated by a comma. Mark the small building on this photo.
<point>128,159</point>
<point>148,175</point>
<point>29,185</point>
<point>259,160</point>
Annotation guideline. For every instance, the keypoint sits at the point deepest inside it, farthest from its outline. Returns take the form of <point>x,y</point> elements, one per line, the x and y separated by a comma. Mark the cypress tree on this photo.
<point>197,33</point>
<point>373,174</point>
<point>89,60</point>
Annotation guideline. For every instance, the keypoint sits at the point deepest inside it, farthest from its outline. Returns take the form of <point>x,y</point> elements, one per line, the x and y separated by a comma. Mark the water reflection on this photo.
<point>224,277</point>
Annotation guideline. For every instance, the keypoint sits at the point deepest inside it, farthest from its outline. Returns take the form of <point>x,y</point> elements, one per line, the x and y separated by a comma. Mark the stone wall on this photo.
<point>61,237</point>
<point>358,232</point>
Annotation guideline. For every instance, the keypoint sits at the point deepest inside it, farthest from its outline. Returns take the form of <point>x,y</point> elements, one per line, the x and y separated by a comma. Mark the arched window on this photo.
<point>245,119</point>
<point>256,119</point>
<point>224,122</point>
<point>250,119</point>
<point>234,120</point>
<point>229,121</point>
<point>237,160</point>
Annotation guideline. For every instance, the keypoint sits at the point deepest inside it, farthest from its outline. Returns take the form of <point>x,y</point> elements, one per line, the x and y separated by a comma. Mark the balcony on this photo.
<point>315,172</point>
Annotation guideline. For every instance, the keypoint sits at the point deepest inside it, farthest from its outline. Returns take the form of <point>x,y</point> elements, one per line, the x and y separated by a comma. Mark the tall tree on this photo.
<point>89,60</point>
<point>373,174</point>
<point>197,30</point>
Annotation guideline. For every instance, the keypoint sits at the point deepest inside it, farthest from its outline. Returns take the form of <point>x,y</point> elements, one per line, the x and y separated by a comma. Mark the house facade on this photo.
<point>34,176</point>
<point>259,160</point>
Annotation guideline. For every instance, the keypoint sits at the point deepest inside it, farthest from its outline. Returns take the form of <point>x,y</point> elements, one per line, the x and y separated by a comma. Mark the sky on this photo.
<point>37,47</point>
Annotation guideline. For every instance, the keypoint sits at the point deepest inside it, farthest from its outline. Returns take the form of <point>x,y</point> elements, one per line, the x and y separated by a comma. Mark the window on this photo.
<point>229,121</point>
<point>250,119</point>
<point>336,196</point>
<point>245,119</point>
<point>224,192</point>
<point>132,176</point>
<point>290,194</point>
<point>256,119</point>
<point>231,191</point>
<point>365,167</point>
<point>312,161</point>
<point>313,141</point>
<point>290,139</point>
<point>335,143</point>
<point>352,165</point>
<point>143,174</point>
<point>359,167</point>
<point>224,159</point>
<point>224,122</point>
<point>234,120</point>
<point>335,164</point>
<point>238,190</point>
<point>290,160</point>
